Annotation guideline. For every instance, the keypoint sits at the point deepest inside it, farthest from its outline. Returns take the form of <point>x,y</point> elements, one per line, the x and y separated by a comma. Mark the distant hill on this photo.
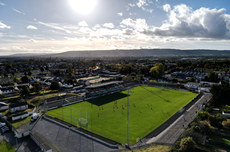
<point>142,53</point>
<point>131,53</point>
<point>28,55</point>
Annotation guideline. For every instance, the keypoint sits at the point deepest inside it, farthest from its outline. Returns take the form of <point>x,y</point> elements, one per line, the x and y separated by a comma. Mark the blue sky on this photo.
<point>52,26</point>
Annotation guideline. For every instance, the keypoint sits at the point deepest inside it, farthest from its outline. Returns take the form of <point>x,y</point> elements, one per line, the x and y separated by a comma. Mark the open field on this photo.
<point>107,116</point>
<point>5,146</point>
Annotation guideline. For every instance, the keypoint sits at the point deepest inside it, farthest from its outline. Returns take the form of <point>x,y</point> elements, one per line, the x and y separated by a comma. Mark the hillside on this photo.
<point>142,53</point>
<point>131,53</point>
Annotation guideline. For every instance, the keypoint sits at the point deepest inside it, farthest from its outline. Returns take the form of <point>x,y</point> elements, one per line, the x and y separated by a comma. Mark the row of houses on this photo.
<point>13,88</point>
<point>202,86</point>
<point>185,75</point>
<point>19,106</point>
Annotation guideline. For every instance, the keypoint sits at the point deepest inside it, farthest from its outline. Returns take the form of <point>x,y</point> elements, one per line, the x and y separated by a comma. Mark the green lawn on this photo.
<point>8,98</point>
<point>149,108</point>
<point>5,146</point>
<point>18,123</point>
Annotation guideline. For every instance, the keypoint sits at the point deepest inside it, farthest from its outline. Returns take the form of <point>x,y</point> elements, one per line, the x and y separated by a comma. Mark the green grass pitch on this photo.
<point>107,116</point>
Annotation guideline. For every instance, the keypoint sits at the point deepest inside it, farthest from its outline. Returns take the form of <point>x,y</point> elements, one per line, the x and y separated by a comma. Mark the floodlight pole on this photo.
<point>128,119</point>
<point>44,104</point>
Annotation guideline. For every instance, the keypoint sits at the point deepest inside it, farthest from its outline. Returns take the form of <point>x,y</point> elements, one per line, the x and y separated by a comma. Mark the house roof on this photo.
<point>103,84</point>
<point>22,113</point>
<point>2,104</point>
<point>18,104</point>
<point>5,89</point>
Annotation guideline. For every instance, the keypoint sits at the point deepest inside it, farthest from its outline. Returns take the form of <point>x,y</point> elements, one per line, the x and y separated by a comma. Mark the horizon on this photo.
<point>68,53</point>
<point>41,27</point>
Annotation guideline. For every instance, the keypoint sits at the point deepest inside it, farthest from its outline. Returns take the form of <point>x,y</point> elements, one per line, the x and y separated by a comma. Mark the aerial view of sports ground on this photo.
<point>106,116</point>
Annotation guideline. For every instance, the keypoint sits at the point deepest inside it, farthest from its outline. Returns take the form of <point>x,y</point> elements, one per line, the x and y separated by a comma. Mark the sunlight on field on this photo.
<point>107,116</point>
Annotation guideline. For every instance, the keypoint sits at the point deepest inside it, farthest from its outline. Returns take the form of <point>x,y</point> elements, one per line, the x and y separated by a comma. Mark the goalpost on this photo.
<point>83,122</point>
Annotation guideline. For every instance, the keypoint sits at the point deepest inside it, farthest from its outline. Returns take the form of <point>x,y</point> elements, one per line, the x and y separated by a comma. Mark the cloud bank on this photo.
<point>183,27</point>
<point>185,22</point>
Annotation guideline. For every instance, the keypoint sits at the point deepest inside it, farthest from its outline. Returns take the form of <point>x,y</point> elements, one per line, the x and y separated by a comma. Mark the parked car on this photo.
<point>34,117</point>
<point>2,124</point>
<point>4,129</point>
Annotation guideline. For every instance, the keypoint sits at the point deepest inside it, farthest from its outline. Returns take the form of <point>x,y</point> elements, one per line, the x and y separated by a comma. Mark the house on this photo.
<point>22,131</point>
<point>20,106</point>
<point>20,116</point>
<point>191,86</point>
<point>18,86</point>
<point>7,90</point>
<point>3,106</point>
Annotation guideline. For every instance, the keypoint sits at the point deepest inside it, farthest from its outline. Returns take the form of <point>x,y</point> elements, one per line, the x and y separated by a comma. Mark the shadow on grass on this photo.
<point>156,94</point>
<point>107,99</point>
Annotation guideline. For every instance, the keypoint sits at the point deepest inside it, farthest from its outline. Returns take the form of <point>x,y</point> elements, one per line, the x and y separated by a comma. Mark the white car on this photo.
<point>35,116</point>
<point>2,124</point>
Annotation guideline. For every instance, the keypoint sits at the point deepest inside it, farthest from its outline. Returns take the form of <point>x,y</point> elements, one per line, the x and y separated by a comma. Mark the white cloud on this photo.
<point>183,21</point>
<point>4,26</point>
<point>83,23</point>
<point>2,4</point>
<point>31,27</point>
<point>199,29</point>
<point>19,12</point>
<point>120,14</point>
<point>141,3</point>
<point>138,24</point>
<point>131,5</point>
<point>55,26</point>
<point>32,40</point>
<point>97,26</point>
<point>108,25</point>
<point>166,7</point>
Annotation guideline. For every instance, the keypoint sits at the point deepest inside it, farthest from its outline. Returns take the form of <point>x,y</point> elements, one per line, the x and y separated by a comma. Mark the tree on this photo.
<point>29,73</point>
<point>126,69</point>
<point>127,78</point>
<point>24,79</point>
<point>54,85</point>
<point>187,144</point>
<point>37,87</point>
<point>212,77</point>
<point>41,69</point>
<point>24,91</point>
<point>203,115</point>
<point>157,70</point>
<point>47,68</point>
<point>15,79</point>
<point>221,94</point>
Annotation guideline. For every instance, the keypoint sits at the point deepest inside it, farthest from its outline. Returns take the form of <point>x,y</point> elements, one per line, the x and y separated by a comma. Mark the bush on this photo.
<point>226,124</point>
<point>196,128</point>
<point>25,91</point>
<point>187,144</point>
<point>203,115</point>
<point>205,127</point>
<point>215,121</point>
<point>54,85</point>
